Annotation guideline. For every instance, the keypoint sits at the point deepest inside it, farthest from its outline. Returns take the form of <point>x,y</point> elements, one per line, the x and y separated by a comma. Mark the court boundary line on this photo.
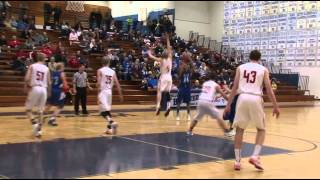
<point>158,145</point>
<point>313,143</point>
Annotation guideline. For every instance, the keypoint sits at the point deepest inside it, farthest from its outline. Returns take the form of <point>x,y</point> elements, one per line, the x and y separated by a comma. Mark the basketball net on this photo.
<point>77,6</point>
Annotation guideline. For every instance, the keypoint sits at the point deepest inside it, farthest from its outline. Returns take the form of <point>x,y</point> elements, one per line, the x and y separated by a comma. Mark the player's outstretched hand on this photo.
<point>276,112</point>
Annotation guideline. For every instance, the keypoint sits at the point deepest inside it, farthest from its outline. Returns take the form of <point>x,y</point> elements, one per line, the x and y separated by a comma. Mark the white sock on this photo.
<point>237,153</point>
<point>257,150</point>
<point>158,106</point>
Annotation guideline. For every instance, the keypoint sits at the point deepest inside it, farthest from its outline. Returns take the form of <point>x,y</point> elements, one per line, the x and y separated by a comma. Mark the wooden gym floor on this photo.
<point>155,147</point>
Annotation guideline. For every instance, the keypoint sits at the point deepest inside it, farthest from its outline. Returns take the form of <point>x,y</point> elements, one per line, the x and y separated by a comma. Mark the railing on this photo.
<point>303,80</point>
<point>304,83</point>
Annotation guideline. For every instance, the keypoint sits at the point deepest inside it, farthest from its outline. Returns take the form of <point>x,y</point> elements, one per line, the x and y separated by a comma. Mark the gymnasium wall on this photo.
<point>97,3</point>
<point>125,8</point>
<point>192,16</point>
<point>313,73</point>
<point>216,20</point>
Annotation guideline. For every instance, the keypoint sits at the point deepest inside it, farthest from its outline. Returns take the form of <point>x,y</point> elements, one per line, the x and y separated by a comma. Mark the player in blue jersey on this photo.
<point>58,88</point>
<point>185,75</point>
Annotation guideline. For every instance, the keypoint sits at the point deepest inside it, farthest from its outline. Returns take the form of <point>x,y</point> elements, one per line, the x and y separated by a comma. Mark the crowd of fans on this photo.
<point>129,65</point>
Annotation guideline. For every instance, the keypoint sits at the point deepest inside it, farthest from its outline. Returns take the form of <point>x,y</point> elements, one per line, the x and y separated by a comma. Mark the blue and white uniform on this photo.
<point>57,95</point>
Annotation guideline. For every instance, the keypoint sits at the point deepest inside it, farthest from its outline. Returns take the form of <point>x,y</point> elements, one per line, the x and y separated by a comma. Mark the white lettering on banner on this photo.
<point>194,100</point>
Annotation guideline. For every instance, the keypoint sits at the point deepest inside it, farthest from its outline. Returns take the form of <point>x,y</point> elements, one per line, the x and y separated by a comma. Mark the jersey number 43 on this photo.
<point>251,76</point>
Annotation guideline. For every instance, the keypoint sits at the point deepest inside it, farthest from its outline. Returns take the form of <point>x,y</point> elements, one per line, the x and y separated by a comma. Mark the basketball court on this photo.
<point>155,147</point>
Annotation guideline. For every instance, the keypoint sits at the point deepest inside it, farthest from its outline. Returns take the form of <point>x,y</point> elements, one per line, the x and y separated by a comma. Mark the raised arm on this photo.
<point>169,46</point>
<point>153,57</point>
<point>115,78</point>
<point>272,97</point>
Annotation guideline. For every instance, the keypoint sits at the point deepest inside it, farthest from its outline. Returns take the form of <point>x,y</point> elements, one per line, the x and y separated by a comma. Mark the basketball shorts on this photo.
<point>184,95</point>
<point>207,108</point>
<point>57,98</point>
<point>37,97</point>
<point>165,83</point>
<point>230,116</point>
<point>249,111</point>
<point>105,100</point>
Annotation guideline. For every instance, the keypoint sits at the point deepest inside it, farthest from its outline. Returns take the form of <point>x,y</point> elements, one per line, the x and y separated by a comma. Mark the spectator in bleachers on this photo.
<point>52,64</point>
<point>73,61</point>
<point>3,40</point>
<point>47,50</point>
<point>18,65</point>
<point>104,33</point>
<point>29,44</point>
<point>100,47</point>
<point>65,30</point>
<point>82,60</point>
<point>45,37</point>
<point>73,37</point>
<point>61,56</point>
<point>84,43</point>
<point>12,23</point>
<point>22,26</point>
<point>32,25</point>
<point>38,39</point>
<point>14,43</point>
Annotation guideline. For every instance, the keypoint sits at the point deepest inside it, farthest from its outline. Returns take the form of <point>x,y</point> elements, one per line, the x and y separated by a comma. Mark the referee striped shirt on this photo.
<point>80,79</point>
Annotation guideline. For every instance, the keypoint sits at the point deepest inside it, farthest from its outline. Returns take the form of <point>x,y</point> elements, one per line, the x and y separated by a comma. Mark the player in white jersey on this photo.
<point>210,89</point>
<point>165,81</point>
<point>249,81</point>
<point>106,78</point>
<point>37,81</point>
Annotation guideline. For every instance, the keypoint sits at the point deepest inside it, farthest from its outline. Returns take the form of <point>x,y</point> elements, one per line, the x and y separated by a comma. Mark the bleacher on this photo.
<point>11,81</point>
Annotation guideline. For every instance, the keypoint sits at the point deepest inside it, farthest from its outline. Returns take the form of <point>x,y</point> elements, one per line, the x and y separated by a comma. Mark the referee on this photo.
<point>80,84</point>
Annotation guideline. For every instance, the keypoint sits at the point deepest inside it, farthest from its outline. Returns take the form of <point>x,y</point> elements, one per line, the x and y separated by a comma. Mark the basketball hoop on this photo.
<point>77,6</point>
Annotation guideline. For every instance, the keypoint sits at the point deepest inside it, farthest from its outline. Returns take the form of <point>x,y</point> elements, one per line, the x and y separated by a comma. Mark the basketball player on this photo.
<point>37,81</point>
<point>210,89</point>
<point>185,75</point>
<point>106,78</point>
<point>58,88</point>
<point>165,81</point>
<point>249,81</point>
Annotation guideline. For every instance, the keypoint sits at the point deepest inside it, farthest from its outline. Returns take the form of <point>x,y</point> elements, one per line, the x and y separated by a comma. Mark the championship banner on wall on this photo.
<point>220,102</point>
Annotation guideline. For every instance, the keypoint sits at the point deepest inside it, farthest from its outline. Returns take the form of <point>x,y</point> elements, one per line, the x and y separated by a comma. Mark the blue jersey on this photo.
<point>56,81</point>
<point>185,81</point>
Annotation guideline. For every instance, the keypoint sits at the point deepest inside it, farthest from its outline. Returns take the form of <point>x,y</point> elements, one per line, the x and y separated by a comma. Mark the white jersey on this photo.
<point>208,91</point>
<point>39,75</point>
<point>166,67</point>
<point>107,75</point>
<point>251,79</point>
